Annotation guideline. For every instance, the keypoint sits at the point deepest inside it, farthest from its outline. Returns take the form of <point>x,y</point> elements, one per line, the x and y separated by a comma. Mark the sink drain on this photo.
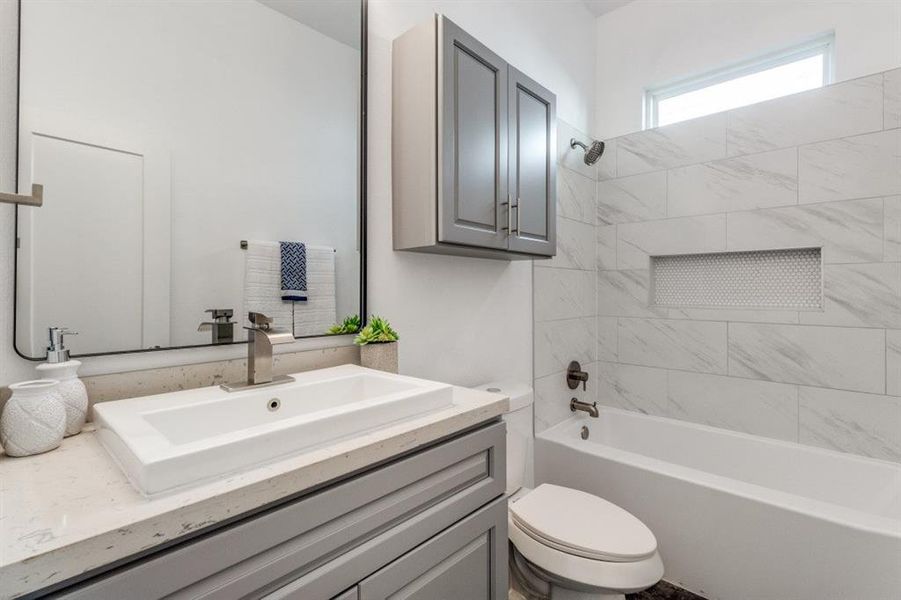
<point>274,404</point>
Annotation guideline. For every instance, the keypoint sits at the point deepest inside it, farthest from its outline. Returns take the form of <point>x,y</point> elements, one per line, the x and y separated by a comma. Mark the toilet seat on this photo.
<point>581,555</point>
<point>582,524</point>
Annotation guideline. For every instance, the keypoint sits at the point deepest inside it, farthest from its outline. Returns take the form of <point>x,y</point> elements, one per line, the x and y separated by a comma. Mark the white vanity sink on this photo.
<point>172,440</point>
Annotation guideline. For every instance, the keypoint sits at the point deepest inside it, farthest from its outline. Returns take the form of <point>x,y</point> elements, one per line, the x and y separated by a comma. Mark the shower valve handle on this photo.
<point>575,374</point>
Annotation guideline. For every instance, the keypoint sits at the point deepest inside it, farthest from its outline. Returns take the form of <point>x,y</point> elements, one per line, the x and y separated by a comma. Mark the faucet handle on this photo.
<point>259,320</point>
<point>575,374</point>
<point>220,313</point>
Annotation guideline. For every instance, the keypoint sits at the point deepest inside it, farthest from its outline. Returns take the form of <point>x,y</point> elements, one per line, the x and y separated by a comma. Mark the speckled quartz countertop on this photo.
<point>72,510</point>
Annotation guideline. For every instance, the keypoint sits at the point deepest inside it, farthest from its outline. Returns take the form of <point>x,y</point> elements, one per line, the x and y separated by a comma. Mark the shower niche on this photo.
<point>473,149</point>
<point>784,279</point>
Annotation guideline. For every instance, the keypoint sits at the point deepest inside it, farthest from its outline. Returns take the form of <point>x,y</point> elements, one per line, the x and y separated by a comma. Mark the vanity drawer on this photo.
<point>330,539</point>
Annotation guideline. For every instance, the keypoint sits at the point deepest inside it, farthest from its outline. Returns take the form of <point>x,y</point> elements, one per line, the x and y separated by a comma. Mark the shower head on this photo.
<point>592,153</point>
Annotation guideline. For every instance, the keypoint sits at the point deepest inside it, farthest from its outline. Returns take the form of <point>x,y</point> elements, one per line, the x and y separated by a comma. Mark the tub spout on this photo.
<point>591,409</point>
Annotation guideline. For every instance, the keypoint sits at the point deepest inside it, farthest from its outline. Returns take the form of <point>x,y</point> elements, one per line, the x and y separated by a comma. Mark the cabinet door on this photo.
<point>533,168</point>
<point>472,141</point>
<point>467,560</point>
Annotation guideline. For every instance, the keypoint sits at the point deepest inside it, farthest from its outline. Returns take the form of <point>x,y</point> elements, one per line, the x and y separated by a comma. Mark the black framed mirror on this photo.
<point>200,161</point>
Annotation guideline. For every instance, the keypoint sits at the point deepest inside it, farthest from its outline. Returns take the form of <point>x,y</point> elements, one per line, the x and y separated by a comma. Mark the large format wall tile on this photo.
<point>635,198</point>
<point>698,140</point>
<point>642,389</point>
<point>606,165</point>
<point>734,314</point>
<point>860,423</point>
<point>855,167</point>
<point>575,196</point>
<point>865,295</point>
<point>685,235</point>
<point>687,345</point>
<point>576,246</point>
<point>848,232</point>
<point>573,158</point>
<point>607,342</point>
<point>893,228</point>
<point>559,342</point>
<point>625,294</point>
<point>839,110</point>
<point>892,114</point>
<point>893,362</point>
<point>606,247</point>
<point>836,357</point>
<point>563,294</point>
<point>755,407</point>
<point>744,183</point>
<point>552,397</point>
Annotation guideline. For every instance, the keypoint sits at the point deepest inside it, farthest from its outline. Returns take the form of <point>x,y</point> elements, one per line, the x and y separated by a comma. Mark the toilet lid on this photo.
<point>582,524</point>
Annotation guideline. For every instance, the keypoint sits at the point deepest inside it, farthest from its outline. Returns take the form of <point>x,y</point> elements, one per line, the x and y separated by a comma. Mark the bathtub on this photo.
<point>740,517</point>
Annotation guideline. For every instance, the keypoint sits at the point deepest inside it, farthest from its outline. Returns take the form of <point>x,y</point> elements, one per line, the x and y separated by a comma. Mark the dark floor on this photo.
<point>664,591</point>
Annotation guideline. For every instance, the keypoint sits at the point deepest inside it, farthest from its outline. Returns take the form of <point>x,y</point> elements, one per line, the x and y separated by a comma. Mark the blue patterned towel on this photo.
<point>294,271</point>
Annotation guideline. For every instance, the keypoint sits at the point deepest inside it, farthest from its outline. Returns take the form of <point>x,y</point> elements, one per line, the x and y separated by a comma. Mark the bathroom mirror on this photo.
<point>192,154</point>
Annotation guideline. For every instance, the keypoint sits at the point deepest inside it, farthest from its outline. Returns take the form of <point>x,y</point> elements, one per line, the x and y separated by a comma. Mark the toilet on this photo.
<point>567,544</point>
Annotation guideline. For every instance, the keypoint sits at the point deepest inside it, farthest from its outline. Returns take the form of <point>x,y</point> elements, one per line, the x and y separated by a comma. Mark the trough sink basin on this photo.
<point>169,441</point>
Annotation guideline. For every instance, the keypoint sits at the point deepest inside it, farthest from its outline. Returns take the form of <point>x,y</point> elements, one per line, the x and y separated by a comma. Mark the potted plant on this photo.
<point>350,324</point>
<point>378,345</point>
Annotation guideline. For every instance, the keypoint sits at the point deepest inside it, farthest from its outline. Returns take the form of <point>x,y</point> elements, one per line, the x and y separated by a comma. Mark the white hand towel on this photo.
<point>319,312</point>
<point>262,284</point>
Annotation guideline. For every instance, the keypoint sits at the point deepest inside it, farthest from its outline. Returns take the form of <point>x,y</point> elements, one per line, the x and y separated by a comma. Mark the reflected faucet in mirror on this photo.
<point>221,327</point>
<point>261,337</point>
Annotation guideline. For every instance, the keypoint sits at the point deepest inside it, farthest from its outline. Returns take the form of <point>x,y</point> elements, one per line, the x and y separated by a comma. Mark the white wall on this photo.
<point>650,42</point>
<point>461,320</point>
<point>467,320</point>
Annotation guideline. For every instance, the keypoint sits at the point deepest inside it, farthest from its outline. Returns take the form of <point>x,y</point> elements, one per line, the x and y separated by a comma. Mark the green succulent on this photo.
<point>377,331</point>
<point>350,324</point>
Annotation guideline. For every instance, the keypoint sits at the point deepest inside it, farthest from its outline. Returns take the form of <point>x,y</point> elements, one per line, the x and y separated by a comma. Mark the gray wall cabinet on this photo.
<point>473,149</point>
<point>433,521</point>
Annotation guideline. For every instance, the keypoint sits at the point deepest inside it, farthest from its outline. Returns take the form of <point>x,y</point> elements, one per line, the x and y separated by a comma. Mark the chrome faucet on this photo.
<point>261,337</point>
<point>590,408</point>
<point>221,327</point>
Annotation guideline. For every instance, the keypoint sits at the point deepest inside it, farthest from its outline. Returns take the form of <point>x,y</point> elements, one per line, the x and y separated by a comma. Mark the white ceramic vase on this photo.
<point>34,418</point>
<point>72,391</point>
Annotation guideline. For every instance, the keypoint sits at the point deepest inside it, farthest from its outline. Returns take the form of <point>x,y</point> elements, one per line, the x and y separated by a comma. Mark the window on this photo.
<point>797,69</point>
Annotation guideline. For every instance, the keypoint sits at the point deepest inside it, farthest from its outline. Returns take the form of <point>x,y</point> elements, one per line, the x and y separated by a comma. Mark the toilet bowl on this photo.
<point>568,544</point>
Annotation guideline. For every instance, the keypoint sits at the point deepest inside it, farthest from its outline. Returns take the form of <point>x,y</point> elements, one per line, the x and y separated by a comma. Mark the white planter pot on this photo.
<point>34,418</point>
<point>379,356</point>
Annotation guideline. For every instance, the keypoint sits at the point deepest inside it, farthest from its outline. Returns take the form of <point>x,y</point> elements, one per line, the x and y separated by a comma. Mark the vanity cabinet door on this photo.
<point>472,141</point>
<point>467,560</point>
<point>533,167</point>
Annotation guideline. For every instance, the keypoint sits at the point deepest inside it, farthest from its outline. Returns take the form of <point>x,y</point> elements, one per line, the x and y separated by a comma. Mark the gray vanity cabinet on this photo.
<point>473,149</point>
<point>434,520</point>
<point>467,561</point>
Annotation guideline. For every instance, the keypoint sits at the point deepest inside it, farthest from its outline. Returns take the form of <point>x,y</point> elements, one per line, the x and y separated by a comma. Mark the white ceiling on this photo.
<point>599,7</point>
<point>338,19</point>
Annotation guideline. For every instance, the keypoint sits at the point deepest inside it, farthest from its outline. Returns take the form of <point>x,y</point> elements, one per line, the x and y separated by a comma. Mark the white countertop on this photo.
<point>72,510</point>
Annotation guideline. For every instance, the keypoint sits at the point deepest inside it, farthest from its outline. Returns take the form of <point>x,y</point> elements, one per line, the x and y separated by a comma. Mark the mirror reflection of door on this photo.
<point>165,134</point>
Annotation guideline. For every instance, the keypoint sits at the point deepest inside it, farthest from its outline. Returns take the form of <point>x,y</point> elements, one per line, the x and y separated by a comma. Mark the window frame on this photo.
<point>821,45</point>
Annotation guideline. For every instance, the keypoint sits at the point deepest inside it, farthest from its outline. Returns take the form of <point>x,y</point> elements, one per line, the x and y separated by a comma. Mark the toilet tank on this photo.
<point>519,432</point>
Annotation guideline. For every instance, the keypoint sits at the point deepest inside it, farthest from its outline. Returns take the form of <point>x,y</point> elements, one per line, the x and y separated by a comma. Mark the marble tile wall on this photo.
<point>565,287</point>
<point>820,168</point>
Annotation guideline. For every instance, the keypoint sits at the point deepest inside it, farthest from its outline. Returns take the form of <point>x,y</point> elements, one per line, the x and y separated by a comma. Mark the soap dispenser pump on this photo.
<point>61,367</point>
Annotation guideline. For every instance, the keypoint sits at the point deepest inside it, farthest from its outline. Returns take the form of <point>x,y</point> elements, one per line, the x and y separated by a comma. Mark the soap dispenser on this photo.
<point>65,370</point>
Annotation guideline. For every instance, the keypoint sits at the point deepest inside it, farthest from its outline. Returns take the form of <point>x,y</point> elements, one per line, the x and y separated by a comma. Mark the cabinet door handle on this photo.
<point>518,216</point>
<point>509,205</point>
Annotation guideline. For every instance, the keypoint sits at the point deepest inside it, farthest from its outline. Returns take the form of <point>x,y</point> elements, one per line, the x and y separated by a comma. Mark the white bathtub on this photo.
<point>740,517</point>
